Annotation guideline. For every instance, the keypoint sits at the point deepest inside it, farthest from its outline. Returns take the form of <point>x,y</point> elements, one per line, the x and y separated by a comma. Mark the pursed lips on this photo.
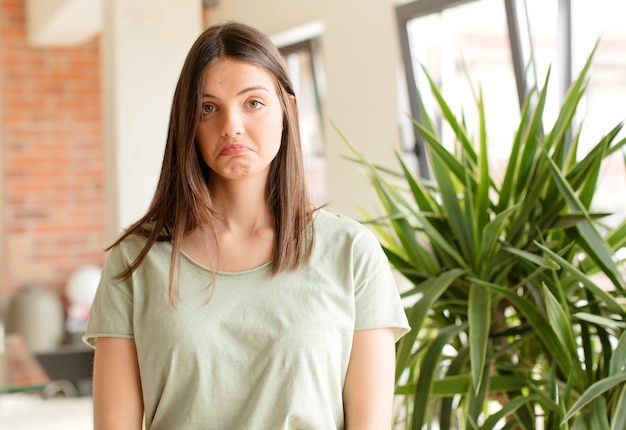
<point>234,149</point>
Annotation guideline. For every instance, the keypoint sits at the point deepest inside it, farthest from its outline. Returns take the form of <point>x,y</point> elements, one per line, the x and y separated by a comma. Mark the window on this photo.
<point>506,48</point>
<point>300,49</point>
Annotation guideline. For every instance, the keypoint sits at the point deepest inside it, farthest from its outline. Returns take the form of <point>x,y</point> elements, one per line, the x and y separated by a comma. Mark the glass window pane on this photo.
<point>462,56</point>
<point>301,70</point>
<point>605,103</point>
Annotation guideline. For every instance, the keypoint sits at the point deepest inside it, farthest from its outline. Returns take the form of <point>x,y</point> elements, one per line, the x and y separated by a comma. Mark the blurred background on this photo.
<point>86,85</point>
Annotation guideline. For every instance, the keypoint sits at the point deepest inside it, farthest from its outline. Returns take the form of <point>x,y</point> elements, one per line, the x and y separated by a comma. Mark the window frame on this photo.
<point>522,59</point>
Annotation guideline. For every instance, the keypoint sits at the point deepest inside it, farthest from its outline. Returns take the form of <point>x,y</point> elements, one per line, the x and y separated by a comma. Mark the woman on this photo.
<point>233,303</point>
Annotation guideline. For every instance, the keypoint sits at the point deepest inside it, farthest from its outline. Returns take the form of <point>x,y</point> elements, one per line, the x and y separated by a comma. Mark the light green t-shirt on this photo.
<point>256,352</point>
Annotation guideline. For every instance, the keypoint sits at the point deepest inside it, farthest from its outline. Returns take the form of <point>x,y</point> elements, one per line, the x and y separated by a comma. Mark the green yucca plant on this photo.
<point>511,327</point>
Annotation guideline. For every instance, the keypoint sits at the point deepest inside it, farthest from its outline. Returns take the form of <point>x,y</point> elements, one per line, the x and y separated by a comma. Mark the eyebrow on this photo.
<point>245,90</point>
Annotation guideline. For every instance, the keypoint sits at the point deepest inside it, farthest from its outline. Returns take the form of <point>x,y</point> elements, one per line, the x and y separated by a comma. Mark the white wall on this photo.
<point>144,44</point>
<point>361,56</point>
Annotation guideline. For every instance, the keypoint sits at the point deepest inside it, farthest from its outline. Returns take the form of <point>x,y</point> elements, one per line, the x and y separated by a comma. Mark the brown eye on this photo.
<point>207,109</point>
<point>255,104</point>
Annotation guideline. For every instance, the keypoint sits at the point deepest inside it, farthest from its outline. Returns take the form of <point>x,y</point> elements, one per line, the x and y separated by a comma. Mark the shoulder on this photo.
<point>129,246</point>
<point>335,229</point>
<point>126,250</point>
<point>332,222</point>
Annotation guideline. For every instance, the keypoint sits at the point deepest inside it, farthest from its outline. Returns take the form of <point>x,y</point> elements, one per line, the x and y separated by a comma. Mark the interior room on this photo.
<point>85,94</point>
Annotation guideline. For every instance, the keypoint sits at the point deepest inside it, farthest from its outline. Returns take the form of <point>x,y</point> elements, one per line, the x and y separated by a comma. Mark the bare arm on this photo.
<point>117,397</point>
<point>369,386</point>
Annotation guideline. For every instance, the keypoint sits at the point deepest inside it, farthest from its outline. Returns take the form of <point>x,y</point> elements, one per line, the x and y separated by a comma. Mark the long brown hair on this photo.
<point>182,201</point>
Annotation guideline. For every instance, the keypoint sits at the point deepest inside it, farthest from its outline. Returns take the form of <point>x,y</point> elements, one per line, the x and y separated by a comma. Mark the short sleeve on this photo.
<point>111,313</point>
<point>378,302</point>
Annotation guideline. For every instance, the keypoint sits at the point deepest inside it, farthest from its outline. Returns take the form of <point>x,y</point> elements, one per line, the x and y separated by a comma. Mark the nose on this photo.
<point>232,124</point>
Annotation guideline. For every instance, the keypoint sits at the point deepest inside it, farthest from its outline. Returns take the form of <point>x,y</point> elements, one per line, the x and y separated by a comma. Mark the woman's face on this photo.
<point>240,130</point>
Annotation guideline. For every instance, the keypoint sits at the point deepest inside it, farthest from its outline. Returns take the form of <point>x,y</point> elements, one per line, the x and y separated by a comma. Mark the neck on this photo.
<point>241,206</point>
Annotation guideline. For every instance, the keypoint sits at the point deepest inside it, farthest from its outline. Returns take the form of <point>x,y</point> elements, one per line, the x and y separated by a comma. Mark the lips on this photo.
<point>234,149</point>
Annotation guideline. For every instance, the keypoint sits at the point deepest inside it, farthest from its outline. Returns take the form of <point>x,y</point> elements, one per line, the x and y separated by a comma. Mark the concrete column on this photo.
<point>144,44</point>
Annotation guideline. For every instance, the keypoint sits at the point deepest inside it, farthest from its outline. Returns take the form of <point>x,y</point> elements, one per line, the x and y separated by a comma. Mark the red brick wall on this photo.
<point>52,158</point>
